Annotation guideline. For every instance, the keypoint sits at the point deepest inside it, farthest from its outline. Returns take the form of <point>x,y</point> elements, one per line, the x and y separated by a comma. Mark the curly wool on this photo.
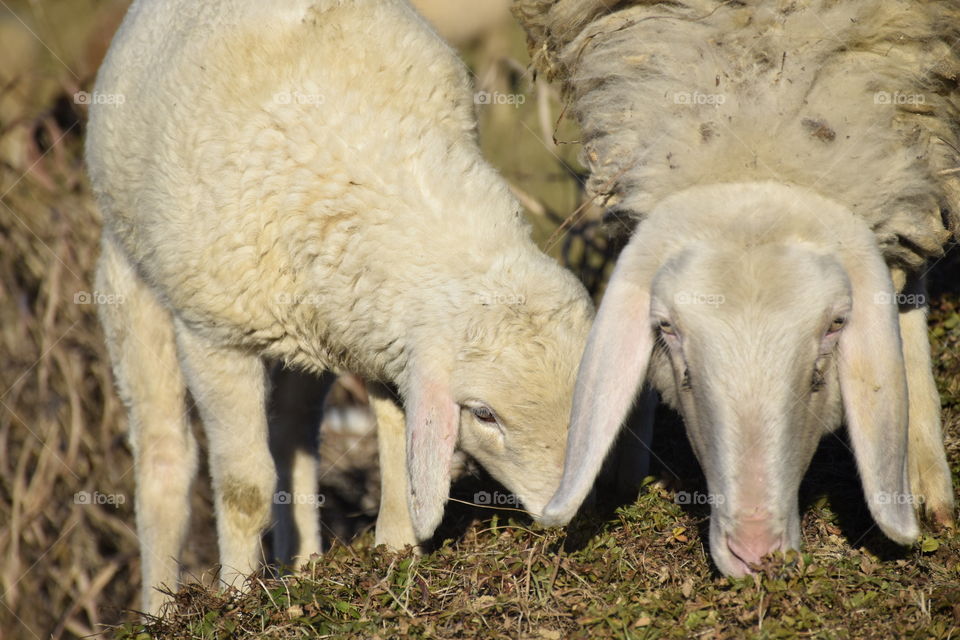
<point>328,209</point>
<point>855,99</point>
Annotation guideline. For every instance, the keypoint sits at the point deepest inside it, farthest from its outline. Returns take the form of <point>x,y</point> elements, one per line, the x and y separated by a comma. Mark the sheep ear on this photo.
<point>433,422</point>
<point>612,370</point>
<point>874,387</point>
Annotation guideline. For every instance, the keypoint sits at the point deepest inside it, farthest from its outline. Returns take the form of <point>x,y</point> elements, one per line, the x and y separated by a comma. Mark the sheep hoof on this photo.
<point>942,517</point>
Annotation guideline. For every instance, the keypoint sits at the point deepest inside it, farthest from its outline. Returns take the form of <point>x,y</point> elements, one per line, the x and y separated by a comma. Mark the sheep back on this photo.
<point>282,176</point>
<point>856,99</point>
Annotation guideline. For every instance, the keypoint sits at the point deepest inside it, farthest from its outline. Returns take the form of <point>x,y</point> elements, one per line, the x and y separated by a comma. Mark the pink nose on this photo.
<point>751,539</point>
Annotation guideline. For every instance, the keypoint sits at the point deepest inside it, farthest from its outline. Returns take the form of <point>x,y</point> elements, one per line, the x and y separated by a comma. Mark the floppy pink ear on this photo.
<point>433,422</point>
<point>874,387</point>
<point>612,370</point>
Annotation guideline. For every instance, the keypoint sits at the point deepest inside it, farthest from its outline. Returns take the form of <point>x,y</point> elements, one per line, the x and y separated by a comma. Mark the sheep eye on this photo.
<point>837,325</point>
<point>666,328</point>
<point>483,414</point>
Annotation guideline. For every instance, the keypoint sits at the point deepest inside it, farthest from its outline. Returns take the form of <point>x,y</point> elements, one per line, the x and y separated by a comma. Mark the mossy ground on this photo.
<point>635,567</point>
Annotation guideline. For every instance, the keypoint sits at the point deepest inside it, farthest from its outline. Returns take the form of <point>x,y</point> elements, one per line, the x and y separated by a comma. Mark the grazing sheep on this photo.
<point>792,167</point>
<point>302,183</point>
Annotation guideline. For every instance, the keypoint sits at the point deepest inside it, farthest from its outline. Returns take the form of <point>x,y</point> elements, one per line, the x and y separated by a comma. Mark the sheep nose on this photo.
<point>752,539</point>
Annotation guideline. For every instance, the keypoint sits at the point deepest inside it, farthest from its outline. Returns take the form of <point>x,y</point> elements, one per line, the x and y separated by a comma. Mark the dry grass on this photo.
<point>60,422</point>
<point>69,565</point>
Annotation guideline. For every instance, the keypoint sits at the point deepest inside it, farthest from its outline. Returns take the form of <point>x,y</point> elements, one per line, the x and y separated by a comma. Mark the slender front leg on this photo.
<point>394,525</point>
<point>139,332</point>
<point>230,389</point>
<point>927,459</point>
<point>628,462</point>
<point>636,442</point>
<point>296,411</point>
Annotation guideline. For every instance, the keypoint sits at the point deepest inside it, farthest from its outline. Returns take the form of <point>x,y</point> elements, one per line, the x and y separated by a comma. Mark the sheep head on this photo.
<point>765,311</point>
<point>504,394</point>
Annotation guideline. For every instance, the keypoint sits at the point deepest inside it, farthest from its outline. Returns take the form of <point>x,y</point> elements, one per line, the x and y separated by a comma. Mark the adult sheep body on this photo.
<point>301,182</point>
<point>792,168</point>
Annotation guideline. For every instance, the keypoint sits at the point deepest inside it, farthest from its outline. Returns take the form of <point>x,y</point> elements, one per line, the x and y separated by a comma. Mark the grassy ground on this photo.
<point>638,570</point>
<point>69,562</point>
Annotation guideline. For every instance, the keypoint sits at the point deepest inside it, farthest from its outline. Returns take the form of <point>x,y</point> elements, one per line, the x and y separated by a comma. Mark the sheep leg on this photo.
<point>295,415</point>
<point>927,460</point>
<point>230,389</point>
<point>628,462</point>
<point>637,439</point>
<point>394,524</point>
<point>140,340</point>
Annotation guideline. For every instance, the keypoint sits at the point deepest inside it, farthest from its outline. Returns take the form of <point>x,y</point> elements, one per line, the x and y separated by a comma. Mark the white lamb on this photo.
<point>791,165</point>
<point>301,182</point>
